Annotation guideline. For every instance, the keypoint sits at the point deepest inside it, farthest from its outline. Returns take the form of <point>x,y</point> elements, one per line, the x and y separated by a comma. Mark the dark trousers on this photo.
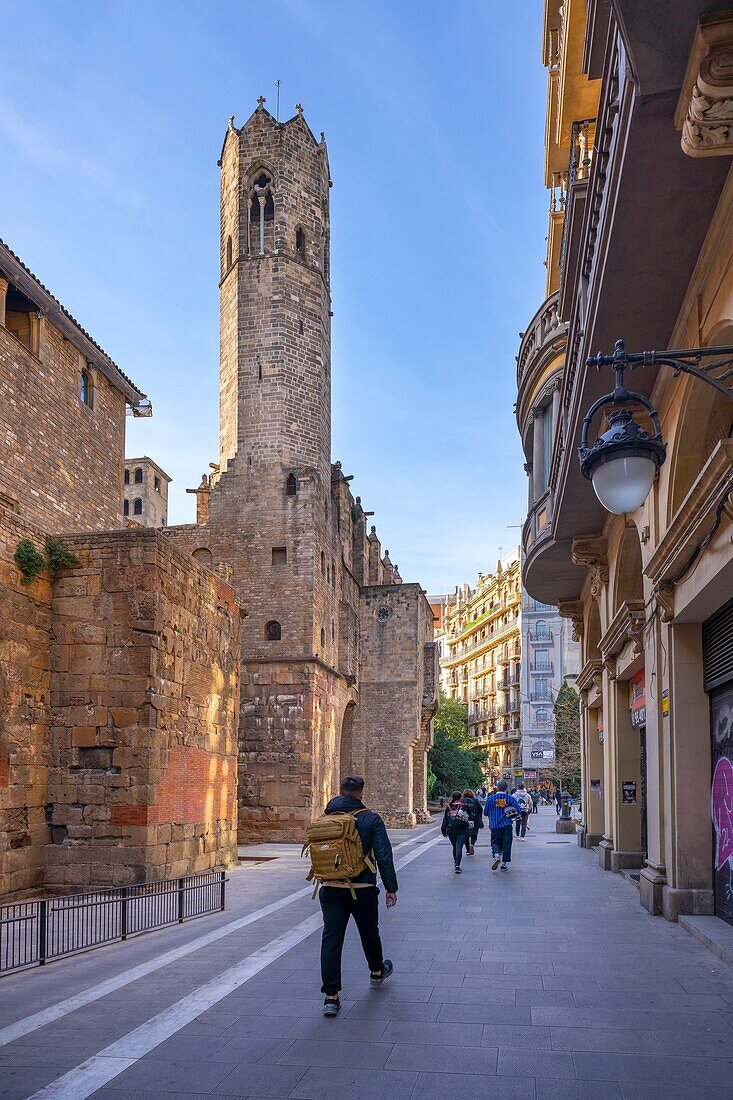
<point>520,824</point>
<point>337,906</point>
<point>535,810</point>
<point>459,840</point>
<point>501,843</point>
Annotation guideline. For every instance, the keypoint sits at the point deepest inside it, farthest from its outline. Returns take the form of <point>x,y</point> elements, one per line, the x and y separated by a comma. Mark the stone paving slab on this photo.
<point>500,989</point>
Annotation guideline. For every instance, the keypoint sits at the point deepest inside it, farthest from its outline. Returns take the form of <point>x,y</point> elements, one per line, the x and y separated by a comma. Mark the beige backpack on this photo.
<point>335,849</point>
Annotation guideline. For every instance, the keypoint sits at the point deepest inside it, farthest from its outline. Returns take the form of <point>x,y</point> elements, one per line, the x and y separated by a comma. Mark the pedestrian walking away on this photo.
<point>457,826</point>
<point>558,800</point>
<point>501,808</point>
<point>477,820</point>
<point>525,803</point>
<point>535,795</point>
<point>357,896</point>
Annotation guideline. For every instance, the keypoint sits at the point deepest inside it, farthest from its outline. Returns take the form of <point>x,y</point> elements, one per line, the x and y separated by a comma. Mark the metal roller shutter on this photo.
<point>717,648</point>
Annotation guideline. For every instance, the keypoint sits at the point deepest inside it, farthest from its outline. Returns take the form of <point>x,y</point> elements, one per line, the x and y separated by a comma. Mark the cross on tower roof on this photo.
<point>261,101</point>
<point>299,109</point>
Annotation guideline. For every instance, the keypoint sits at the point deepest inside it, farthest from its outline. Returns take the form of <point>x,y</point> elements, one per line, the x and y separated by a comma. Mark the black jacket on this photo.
<point>449,826</point>
<point>374,838</point>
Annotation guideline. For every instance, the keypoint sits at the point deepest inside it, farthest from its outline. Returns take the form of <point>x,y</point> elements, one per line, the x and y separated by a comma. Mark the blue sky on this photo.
<point>112,120</point>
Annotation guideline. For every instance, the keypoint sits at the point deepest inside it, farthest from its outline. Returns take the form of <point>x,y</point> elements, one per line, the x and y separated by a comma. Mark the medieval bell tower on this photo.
<point>271,521</point>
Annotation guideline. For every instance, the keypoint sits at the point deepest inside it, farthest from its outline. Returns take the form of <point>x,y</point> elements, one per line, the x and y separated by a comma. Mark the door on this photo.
<point>721,799</point>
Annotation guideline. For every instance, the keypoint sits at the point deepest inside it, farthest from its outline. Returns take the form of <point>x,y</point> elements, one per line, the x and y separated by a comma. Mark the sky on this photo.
<point>112,120</point>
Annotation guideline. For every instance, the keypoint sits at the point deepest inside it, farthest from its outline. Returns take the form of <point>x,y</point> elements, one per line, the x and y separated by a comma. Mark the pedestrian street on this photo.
<point>549,980</point>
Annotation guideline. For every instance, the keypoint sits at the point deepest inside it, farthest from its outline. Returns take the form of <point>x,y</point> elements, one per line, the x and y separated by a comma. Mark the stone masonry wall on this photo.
<point>396,700</point>
<point>25,630</point>
<point>62,460</point>
<point>145,664</point>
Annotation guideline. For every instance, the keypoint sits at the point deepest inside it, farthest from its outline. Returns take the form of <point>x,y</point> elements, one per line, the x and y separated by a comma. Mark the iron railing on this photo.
<point>35,932</point>
<point>582,137</point>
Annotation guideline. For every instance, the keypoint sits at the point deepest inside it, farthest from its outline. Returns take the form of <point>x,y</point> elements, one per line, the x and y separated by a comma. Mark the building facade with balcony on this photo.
<point>638,146</point>
<point>481,661</point>
<point>549,657</point>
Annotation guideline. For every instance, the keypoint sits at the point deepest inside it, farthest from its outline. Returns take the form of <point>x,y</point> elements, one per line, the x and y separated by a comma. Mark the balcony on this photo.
<point>492,636</point>
<point>541,637</point>
<point>542,668</point>
<point>582,140</point>
<point>543,339</point>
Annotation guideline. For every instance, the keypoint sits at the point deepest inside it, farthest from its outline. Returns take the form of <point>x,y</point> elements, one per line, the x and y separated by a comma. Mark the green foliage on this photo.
<point>30,563</point>
<point>453,761</point>
<point>57,557</point>
<point>567,739</point>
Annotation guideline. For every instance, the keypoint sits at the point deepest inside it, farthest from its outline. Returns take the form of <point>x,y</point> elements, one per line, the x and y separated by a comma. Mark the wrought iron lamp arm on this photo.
<point>677,359</point>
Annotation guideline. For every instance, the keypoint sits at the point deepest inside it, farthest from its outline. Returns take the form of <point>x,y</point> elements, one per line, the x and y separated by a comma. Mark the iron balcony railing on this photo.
<point>35,932</point>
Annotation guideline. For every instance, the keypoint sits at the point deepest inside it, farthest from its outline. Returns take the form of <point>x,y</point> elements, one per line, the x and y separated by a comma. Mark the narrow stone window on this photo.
<point>273,632</point>
<point>323,564</point>
<point>127,477</point>
<point>126,507</point>
<point>156,484</point>
<point>137,507</point>
<point>138,476</point>
<point>300,327</point>
<point>333,631</point>
<point>279,556</point>
<point>323,637</point>
<point>291,485</point>
<point>300,243</point>
<point>229,252</point>
<point>85,388</point>
<point>261,211</point>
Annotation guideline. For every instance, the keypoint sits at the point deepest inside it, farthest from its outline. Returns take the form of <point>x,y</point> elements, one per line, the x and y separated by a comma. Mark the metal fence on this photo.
<point>34,932</point>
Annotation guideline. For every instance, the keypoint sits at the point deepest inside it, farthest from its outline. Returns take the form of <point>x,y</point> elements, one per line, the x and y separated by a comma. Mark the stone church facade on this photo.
<point>338,666</point>
<point>173,690</point>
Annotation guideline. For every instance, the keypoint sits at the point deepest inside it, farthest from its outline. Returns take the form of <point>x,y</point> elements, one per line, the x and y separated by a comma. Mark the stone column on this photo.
<point>686,739</point>
<point>3,298</point>
<point>653,874</point>
<point>621,844</point>
<point>35,321</point>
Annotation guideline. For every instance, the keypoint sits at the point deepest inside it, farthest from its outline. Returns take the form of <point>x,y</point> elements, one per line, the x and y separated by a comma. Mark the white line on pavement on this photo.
<point>46,1016</point>
<point>114,1059</point>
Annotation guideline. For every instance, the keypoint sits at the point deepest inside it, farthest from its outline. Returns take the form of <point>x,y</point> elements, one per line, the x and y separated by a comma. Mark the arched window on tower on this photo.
<point>85,387</point>
<point>273,631</point>
<point>127,477</point>
<point>126,507</point>
<point>229,253</point>
<point>291,485</point>
<point>300,242</point>
<point>261,213</point>
<point>138,476</point>
<point>137,507</point>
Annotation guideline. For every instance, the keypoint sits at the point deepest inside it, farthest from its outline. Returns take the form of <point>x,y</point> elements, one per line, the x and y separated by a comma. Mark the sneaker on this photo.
<point>380,979</point>
<point>458,870</point>
<point>495,864</point>
<point>504,867</point>
<point>331,1007</point>
<point>471,847</point>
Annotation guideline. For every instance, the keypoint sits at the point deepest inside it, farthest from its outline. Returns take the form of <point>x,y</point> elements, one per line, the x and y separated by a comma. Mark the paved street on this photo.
<point>549,981</point>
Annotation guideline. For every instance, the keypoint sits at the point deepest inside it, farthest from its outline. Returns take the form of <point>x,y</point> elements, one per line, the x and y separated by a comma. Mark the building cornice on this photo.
<point>627,625</point>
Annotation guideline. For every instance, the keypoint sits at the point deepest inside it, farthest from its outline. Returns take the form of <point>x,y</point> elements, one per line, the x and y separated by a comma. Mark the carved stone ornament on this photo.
<point>705,111</point>
<point>591,552</point>
<point>664,597</point>
<point>573,609</point>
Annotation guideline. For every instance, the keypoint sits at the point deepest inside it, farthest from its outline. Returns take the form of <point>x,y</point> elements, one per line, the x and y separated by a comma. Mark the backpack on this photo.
<point>459,816</point>
<point>335,849</point>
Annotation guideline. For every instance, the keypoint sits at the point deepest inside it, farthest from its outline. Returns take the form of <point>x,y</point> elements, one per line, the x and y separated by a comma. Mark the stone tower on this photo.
<point>337,665</point>
<point>270,514</point>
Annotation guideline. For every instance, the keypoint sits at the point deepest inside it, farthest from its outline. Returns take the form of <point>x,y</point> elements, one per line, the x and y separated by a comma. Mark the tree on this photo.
<point>453,762</point>
<point>567,738</point>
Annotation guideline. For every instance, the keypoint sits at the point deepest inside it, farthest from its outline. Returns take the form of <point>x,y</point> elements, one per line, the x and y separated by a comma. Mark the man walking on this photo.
<point>339,903</point>
<point>535,796</point>
<point>501,825</point>
<point>558,801</point>
<point>476,811</point>
<point>525,803</point>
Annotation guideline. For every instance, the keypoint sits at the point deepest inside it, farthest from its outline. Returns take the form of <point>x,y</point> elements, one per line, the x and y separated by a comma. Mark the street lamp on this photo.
<point>622,462</point>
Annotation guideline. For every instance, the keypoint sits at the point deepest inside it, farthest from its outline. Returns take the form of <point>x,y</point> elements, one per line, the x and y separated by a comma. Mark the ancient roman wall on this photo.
<point>66,472</point>
<point>144,661</point>
<point>25,629</point>
<point>396,698</point>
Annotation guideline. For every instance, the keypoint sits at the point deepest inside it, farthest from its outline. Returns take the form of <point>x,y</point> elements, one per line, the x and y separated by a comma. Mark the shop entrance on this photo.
<point>718,664</point>
<point>642,791</point>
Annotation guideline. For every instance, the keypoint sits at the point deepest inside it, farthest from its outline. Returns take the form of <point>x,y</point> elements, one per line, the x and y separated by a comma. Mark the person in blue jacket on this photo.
<point>501,809</point>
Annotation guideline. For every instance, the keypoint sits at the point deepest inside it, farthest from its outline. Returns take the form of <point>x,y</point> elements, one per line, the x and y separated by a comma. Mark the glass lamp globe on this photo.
<point>622,463</point>
<point>623,483</point>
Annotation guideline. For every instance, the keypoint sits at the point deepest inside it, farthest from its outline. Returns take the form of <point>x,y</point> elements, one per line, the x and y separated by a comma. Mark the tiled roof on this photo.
<point>22,277</point>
